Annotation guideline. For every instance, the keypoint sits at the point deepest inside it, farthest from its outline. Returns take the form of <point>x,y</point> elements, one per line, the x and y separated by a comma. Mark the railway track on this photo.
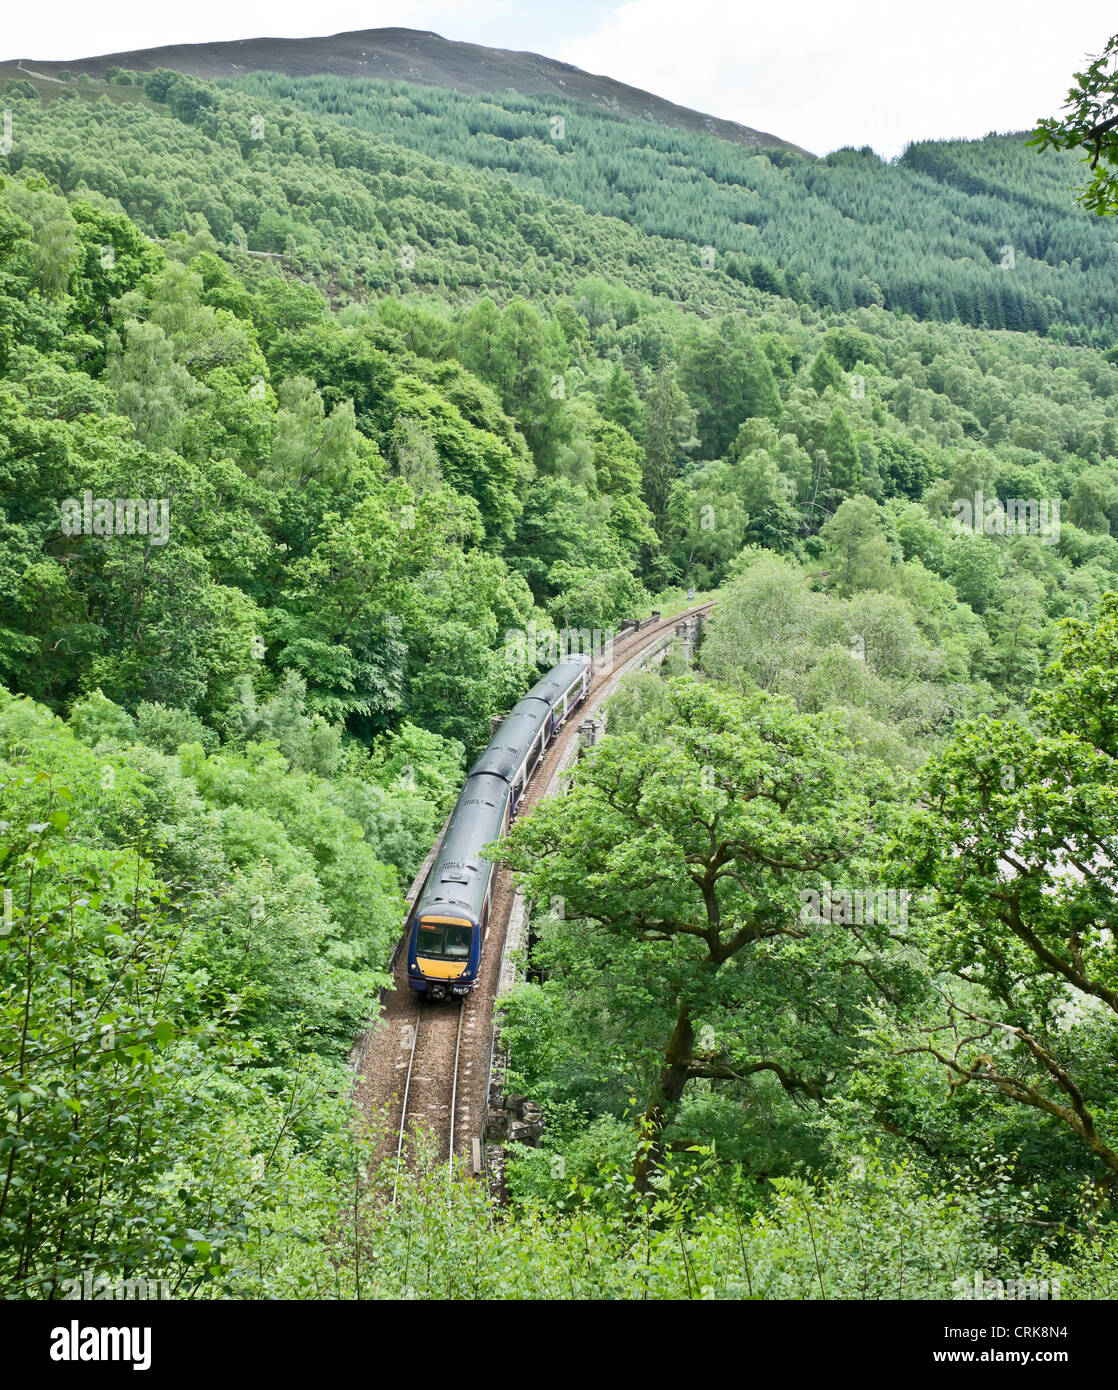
<point>427,1064</point>
<point>458,1012</point>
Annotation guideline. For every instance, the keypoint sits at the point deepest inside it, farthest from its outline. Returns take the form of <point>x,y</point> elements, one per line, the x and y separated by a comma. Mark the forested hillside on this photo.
<point>920,237</point>
<point>313,393</point>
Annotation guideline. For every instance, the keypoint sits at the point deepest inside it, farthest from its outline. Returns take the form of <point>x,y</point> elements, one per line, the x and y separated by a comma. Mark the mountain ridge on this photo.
<point>411,55</point>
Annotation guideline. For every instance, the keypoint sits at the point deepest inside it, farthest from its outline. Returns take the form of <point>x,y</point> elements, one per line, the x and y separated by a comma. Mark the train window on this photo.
<point>430,941</point>
<point>458,941</point>
<point>443,941</point>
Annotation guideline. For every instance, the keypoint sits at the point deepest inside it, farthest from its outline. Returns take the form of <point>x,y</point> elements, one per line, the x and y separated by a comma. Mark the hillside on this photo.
<point>925,236</point>
<point>982,232</point>
<point>410,55</point>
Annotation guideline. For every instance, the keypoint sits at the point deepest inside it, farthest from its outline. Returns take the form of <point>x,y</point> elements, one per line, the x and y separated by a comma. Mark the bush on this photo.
<point>96,719</point>
<point>167,728</point>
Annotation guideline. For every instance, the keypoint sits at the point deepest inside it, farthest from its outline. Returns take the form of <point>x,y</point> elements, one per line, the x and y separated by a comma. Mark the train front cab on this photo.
<point>443,955</point>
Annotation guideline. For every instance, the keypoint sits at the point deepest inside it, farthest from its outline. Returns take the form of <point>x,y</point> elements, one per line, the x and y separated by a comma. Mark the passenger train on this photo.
<point>452,911</point>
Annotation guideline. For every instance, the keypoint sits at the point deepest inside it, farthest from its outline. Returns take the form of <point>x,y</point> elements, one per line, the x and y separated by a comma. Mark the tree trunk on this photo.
<point>674,1075</point>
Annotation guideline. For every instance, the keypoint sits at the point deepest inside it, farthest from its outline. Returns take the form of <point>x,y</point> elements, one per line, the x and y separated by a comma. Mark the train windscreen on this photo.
<point>444,941</point>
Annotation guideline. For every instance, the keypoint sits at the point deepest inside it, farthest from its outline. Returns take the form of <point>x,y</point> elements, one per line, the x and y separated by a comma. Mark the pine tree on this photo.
<point>844,466</point>
<point>669,435</point>
<point>825,371</point>
<point>621,404</point>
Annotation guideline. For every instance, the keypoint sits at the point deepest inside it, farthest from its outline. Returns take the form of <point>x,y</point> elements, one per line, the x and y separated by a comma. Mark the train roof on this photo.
<point>559,679</point>
<point>459,875</point>
<point>512,740</point>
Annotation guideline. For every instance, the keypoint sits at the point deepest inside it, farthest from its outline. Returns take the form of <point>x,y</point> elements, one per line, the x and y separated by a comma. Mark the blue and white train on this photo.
<point>452,911</point>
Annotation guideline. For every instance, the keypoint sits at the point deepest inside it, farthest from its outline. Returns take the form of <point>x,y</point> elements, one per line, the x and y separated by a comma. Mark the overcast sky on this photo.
<point>820,73</point>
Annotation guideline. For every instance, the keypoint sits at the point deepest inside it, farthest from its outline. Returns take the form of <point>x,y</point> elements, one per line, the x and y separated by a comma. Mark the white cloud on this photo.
<point>80,29</point>
<point>824,74</point>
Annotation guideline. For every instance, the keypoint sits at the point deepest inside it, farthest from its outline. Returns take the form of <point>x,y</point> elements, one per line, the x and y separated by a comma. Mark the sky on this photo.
<point>820,73</point>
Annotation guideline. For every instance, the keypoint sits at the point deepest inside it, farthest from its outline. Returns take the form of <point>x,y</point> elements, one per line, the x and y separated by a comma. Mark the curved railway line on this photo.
<point>427,1064</point>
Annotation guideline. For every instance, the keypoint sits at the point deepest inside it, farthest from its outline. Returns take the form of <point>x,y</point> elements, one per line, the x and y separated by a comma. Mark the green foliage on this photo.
<point>681,855</point>
<point>410,377</point>
<point>922,236</point>
<point>135,1038</point>
<point>1089,125</point>
<point>1014,840</point>
<point>878,661</point>
<point>168,729</point>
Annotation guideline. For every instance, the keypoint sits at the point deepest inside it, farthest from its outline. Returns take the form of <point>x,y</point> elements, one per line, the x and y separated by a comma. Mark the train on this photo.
<point>448,923</point>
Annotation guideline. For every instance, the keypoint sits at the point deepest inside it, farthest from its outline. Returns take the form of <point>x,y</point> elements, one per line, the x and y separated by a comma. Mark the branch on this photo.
<point>1077,1116</point>
<point>719,1071</point>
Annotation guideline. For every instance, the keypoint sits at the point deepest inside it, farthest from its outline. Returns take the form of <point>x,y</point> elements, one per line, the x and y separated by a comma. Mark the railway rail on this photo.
<point>427,1064</point>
